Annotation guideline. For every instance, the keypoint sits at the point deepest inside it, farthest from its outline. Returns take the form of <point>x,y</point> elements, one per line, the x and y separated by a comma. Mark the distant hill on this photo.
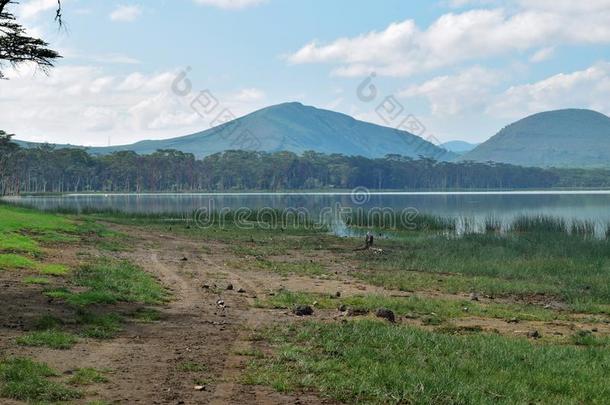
<point>296,128</point>
<point>562,138</point>
<point>459,147</point>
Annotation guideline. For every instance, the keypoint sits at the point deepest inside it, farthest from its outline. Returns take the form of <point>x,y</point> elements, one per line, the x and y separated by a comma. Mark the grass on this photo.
<point>98,326</point>
<point>15,243</point>
<point>14,219</point>
<point>22,379</point>
<point>373,362</point>
<point>413,306</point>
<point>146,315</point>
<point>12,262</point>
<point>36,280</point>
<point>47,322</point>
<point>57,270</point>
<point>555,264</point>
<point>52,339</point>
<point>110,281</point>
<point>87,376</point>
<point>191,367</point>
<point>304,268</point>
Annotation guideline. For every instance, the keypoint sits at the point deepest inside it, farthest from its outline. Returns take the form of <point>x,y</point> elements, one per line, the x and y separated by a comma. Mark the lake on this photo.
<point>504,206</point>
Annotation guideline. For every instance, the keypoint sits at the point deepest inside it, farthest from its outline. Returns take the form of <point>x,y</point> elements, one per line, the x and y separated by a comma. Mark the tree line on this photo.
<point>48,169</point>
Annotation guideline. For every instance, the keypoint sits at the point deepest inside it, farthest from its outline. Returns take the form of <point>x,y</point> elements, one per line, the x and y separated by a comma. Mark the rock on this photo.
<point>241,291</point>
<point>206,286</point>
<point>315,304</point>
<point>184,259</point>
<point>303,310</point>
<point>513,320</point>
<point>338,294</point>
<point>386,314</point>
<point>594,330</point>
<point>220,303</point>
<point>199,388</point>
<point>474,297</point>
<point>342,308</point>
<point>230,287</point>
<point>534,334</point>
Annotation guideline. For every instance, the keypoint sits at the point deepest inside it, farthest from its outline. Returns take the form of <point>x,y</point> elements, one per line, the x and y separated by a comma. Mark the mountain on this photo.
<point>562,138</point>
<point>459,147</point>
<point>296,128</point>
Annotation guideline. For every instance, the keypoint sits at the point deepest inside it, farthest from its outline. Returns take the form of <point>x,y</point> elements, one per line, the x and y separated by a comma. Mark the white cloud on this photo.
<point>542,55</point>
<point>251,94</point>
<point>464,92</point>
<point>84,105</point>
<point>34,8</point>
<point>126,13</point>
<point>587,88</point>
<point>403,48</point>
<point>231,4</point>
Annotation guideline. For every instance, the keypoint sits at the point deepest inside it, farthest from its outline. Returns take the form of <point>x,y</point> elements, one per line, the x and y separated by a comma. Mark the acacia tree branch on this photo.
<point>17,47</point>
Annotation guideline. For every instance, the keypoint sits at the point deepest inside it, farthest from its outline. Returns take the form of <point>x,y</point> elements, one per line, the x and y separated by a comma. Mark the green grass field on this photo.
<point>373,362</point>
<point>568,267</point>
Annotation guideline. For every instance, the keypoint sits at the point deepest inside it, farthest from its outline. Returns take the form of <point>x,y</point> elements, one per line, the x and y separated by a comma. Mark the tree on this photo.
<point>17,47</point>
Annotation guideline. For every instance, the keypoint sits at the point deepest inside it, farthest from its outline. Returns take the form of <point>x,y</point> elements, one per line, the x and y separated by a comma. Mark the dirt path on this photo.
<point>199,342</point>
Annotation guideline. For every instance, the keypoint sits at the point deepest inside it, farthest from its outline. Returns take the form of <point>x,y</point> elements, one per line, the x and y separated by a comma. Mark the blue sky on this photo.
<point>463,68</point>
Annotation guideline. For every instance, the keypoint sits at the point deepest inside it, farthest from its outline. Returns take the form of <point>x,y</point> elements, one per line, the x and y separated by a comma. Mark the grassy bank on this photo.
<point>373,362</point>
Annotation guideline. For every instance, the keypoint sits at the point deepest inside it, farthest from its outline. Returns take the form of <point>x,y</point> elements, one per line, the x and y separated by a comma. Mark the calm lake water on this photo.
<point>504,206</point>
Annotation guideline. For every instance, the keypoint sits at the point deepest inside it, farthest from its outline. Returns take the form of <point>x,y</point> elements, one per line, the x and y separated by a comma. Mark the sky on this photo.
<point>447,69</point>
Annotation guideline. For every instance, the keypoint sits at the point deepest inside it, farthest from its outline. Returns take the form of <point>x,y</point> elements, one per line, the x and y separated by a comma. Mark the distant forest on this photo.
<point>46,169</point>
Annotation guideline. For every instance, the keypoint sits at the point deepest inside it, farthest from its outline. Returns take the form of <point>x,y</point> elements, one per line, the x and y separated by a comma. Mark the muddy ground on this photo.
<point>143,362</point>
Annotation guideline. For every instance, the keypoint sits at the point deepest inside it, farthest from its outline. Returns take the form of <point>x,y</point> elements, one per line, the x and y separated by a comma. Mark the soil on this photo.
<point>144,361</point>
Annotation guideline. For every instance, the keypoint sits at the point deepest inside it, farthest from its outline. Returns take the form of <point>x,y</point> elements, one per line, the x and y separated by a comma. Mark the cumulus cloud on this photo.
<point>231,4</point>
<point>34,8</point>
<point>464,92</point>
<point>587,88</point>
<point>542,55</point>
<point>84,105</point>
<point>403,48</point>
<point>126,13</point>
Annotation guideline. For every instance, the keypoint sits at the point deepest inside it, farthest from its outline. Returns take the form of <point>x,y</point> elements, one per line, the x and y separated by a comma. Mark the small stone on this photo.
<point>303,310</point>
<point>534,334</point>
<point>594,330</point>
<point>342,308</point>
<point>338,294</point>
<point>241,291</point>
<point>184,259</point>
<point>230,287</point>
<point>513,320</point>
<point>199,388</point>
<point>206,286</point>
<point>386,314</point>
<point>315,304</point>
<point>474,297</point>
<point>220,303</point>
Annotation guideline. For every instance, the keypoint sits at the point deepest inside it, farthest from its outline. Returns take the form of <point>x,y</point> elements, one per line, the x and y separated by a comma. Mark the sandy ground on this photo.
<point>143,361</point>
